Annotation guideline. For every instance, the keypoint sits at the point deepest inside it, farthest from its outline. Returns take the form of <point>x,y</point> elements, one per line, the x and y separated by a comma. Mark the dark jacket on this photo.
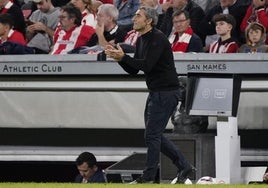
<point>196,15</point>
<point>154,57</point>
<point>195,44</point>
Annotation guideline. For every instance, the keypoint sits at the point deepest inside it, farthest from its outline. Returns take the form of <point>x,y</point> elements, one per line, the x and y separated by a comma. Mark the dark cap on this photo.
<point>228,18</point>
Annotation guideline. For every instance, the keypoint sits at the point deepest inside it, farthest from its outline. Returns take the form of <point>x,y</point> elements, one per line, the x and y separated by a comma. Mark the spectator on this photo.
<point>237,8</point>
<point>7,6</point>
<point>184,39</point>
<point>255,39</point>
<point>86,8</point>
<point>70,34</point>
<point>126,9</point>
<point>195,11</point>
<point>107,30</point>
<point>256,12</point>
<point>42,24</point>
<point>6,31</point>
<point>225,23</point>
<point>89,172</point>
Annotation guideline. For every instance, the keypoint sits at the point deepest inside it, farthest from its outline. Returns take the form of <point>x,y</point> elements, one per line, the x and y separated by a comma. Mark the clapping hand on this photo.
<point>114,52</point>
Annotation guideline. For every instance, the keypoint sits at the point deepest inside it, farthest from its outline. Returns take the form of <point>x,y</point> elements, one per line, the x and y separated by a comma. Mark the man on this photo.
<point>89,172</point>
<point>107,30</point>
<point>154,57</point>
<point>70,34</point>
<point>41,26</point>
<point>6,31</point>
<point>184,39</point>
<point>195,11</point>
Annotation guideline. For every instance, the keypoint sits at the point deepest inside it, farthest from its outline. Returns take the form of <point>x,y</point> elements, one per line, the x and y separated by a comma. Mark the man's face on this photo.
<point>178,4</point>
<point>65,22</point>
<point>43,6</point>
<point>85,171</point>
<point>223,28</point>
<point>180,23</point>
<point>226,3</point>
<point>139,20</point>
<point>103,18</point>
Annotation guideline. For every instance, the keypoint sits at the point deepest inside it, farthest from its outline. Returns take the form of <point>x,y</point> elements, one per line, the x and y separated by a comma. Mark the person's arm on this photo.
<point>153,52</point>
<point>38,26</point>
<point>118,54</point>
<point>101,39</point>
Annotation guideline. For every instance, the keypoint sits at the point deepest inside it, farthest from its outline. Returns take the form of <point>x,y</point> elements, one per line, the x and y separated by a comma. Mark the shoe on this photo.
<point>183,174</point>
<point>140,180</point>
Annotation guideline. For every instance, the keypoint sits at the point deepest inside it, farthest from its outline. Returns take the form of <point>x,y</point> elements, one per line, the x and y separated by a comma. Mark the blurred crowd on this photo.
<point>87,26</point>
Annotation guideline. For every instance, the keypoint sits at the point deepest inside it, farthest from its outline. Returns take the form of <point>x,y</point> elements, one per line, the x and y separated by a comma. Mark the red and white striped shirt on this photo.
<point>65,41</point>
<point>227,46</point>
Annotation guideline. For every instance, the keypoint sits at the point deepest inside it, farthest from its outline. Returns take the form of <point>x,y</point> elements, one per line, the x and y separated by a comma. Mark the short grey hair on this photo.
<point>150,13</point>
<point>109,10</point>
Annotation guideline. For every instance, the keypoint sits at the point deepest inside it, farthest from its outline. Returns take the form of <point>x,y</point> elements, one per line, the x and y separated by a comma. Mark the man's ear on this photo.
<point>149,21</point>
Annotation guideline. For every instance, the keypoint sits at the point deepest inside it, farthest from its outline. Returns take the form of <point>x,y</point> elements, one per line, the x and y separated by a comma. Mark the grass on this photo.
<point>113,185</point>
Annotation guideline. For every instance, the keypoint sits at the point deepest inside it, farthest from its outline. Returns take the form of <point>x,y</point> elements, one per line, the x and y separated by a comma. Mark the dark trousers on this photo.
<point>159,108</point>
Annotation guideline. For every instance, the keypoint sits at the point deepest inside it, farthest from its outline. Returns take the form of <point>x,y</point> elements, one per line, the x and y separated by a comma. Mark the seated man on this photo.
<point>195,11</point>
<point>41,26</point>
<point>107,30</point>
<point>70,34</point>
<point>184,39</point>
<point>89,171</point>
